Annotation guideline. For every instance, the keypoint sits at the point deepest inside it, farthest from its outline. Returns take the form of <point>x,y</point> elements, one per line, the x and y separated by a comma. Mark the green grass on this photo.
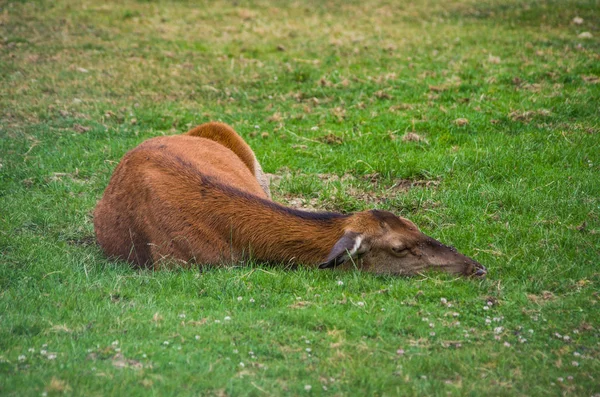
<point>324,92</point>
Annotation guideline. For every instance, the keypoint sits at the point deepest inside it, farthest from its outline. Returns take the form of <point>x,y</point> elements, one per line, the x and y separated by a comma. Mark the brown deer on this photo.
<point>202,197</point>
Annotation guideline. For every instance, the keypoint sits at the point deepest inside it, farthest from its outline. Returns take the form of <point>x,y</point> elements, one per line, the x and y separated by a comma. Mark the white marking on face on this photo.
<point>356,245</point>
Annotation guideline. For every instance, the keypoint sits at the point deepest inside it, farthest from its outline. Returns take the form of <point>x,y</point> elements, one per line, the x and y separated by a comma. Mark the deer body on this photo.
<point>202,197</point>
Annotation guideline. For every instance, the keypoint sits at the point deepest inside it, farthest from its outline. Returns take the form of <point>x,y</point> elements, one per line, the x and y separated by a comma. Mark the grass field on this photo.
<point>478,120</point>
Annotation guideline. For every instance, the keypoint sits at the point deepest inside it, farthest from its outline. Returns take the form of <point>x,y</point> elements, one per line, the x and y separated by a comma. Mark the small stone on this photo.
<point>307,387</point>
<point>577,20</point>
<point>585,35</point>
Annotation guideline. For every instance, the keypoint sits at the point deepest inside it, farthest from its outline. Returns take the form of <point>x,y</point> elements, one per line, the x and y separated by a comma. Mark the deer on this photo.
<point>201,198</point>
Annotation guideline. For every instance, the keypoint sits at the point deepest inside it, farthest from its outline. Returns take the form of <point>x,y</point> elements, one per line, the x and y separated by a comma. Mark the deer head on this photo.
<point>380,242</point>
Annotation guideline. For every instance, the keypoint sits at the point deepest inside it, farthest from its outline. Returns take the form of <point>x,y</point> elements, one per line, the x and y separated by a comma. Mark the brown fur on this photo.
<point>197,198</point>
<point>226,136</point>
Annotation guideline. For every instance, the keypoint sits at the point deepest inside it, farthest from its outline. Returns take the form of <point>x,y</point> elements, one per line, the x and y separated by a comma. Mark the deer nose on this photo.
<point>480,271</point>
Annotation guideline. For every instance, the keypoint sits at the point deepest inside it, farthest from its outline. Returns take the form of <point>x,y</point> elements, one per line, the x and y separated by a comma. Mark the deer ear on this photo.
<point>345,248</point>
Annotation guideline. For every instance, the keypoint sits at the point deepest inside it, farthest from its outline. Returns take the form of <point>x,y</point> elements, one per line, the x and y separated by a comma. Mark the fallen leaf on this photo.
<point>331,139</point>
<point>461,122</point>
<point>276,117</point>
<point>57,386</point>
<point>591,79</point>
<point>119,361</point>
<point>80,128</point>
<point>339,113</point>
<point>413,137</point>
<point>493,59</point>
<point>323,82</point>
<point>299,304</point>
<point>381,94</point>
<point>402,106</point>
<point>60,328</point>
<point>437,88</point>
<point>547,295</point>
<point>528,115</point>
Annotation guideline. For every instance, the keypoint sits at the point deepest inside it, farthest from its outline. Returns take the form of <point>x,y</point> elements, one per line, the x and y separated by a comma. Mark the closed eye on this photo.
<point>400,250</point>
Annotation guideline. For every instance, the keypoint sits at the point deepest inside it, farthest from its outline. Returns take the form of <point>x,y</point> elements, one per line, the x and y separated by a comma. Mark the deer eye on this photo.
<point>399,250</point>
